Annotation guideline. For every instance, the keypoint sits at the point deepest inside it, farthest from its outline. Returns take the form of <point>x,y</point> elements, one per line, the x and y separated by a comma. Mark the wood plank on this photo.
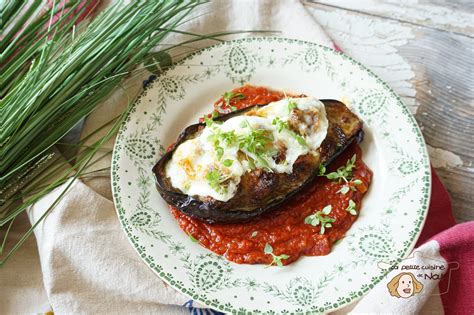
<point>433,71</point>
<point>454,16</point>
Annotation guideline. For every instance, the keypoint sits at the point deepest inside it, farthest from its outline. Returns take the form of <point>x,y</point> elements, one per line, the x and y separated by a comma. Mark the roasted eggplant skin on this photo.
<point>259,191</point>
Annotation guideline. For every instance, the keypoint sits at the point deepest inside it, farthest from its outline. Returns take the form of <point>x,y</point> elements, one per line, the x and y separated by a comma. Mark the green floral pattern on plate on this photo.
<point>391,217</point>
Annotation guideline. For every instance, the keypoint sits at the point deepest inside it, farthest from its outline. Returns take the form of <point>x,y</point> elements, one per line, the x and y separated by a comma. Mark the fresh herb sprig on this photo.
<point>343,174</point>
<point>344,189</point>
<point>321,218</point>
<point>277,260</point>
<point>351,207</point>
<point>229,96</point>
<point>349,186</point>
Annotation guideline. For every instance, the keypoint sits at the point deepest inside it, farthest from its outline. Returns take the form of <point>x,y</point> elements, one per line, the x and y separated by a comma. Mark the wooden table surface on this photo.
<point>425,51</point>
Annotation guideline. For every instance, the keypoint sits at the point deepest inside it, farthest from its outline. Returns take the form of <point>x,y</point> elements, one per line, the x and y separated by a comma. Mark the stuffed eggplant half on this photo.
<point>237,166</point>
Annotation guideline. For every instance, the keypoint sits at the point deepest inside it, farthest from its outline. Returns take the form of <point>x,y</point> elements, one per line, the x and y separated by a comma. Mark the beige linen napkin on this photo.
<point>87,263</point>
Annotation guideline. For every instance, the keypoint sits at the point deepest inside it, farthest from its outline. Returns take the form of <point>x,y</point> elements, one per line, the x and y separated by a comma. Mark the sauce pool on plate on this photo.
<point>284,229</point>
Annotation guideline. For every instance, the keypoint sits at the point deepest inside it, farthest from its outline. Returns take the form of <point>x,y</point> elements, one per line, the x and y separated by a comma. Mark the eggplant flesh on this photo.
<point>261,191</point>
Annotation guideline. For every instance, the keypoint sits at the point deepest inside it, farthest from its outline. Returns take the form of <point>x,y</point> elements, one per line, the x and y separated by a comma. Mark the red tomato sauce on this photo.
<point>284,228</point>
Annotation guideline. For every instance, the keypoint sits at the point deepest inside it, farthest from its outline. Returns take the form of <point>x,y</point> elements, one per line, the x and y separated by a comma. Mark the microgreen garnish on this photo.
<point>256,142</point>
<point>262,162</point>
<point>251,164</point>
<point>219,151</point>
<point>357,181</point>
<point>228,162</point>
<point>276,259</point>
<point>219,137</point>
<point>291,105</point>
<point>215,179</point>
<point>228,137</point>
<point>245,124</point>
<point>301,140</point>
<point>207,120</point>
<point>322,170</point>
<point>210,120</point>
<point>254,234</point>
<point>351,208</point>
<point>321,218</point>
<point>228,96</point>
<point>283,125</point>
<point>280,124</point>
<point>192,238</point>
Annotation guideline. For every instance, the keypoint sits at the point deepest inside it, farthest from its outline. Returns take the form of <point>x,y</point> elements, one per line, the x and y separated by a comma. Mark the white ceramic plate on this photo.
<point>390,220</point>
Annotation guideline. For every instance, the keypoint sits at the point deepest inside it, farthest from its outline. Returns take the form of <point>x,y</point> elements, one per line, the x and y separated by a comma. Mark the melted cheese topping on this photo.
<point>271,137</point>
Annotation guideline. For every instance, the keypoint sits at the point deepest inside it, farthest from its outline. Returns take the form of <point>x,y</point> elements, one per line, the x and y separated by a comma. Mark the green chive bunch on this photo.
<point>55,71</point>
